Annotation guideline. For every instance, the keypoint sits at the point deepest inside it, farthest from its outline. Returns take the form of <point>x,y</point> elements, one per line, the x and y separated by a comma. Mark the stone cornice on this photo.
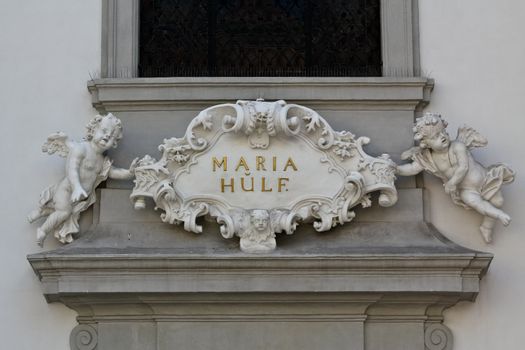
<point>171,93</point>
<point>125,271</point>
<point>364,284</point>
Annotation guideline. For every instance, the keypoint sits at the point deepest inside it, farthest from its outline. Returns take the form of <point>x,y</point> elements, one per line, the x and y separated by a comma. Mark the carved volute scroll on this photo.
<point>261,168</point>
<point>83,337</point>
<point>438,337</point>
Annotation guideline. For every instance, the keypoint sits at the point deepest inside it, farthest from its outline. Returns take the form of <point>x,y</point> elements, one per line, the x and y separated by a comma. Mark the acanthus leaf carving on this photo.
<point>345,145</point>
<point>176,150</point>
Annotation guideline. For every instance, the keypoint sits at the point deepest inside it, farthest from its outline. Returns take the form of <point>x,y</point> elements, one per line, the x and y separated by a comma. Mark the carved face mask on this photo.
<point>259,220</point>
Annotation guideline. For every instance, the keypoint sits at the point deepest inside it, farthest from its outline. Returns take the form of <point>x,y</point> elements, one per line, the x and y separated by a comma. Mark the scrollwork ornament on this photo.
<point>377,167</point>
<point>227,227</point>
<point>438,337</point>
<point>240,147</point>
<point>203,121</point>
<point>314,123</point>
<point>83,337</point>
<point>289,124</point>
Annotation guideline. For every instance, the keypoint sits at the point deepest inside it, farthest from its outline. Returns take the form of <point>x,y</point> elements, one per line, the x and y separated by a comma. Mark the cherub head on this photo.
<point>104,131</point>
<point>259,219</point>
<point>430,131</point>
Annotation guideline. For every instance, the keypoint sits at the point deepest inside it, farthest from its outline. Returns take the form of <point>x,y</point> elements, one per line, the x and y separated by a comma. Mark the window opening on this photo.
<point>259,38</point>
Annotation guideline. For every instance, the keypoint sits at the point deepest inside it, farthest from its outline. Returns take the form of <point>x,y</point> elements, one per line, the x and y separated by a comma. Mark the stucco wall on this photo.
<point>472,48</point>
<point>47,49</point>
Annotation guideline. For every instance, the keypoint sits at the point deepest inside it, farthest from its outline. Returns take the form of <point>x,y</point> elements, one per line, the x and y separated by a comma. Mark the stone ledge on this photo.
<point>360,284</point>
<point>163,273</point>
<point>371,257</point>
<point>380,93</point>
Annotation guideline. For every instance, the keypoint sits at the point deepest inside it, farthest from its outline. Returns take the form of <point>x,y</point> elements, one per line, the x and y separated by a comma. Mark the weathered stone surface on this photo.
<point>142,284</point>
<point>369,285</point>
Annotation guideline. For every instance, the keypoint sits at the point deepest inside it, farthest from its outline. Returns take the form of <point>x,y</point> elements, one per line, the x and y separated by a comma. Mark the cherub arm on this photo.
<point>74,159</point>
<point>124,174</point>
<point>413,168</point>
<point>409,169</point>
<point>461,152</point>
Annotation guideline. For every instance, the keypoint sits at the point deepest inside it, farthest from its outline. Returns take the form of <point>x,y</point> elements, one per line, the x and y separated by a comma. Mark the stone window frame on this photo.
<point>120,38</point>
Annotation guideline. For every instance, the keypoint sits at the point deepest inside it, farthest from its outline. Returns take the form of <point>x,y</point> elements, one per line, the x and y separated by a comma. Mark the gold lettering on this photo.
<point>263,185</point>
<point>290,163</point>
<point>242,163</point>
<point>282,184</point>
<point>223,162</point>
<point>242,185</point>
<point>274,159</point>
<point>231,185</point>
<point>259,163</point>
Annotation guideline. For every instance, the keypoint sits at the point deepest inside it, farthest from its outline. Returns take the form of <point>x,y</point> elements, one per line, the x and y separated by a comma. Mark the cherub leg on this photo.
<point>63,209</point>
<point>497,202</point>
<point>38,213</point>
<point>488,209</point>
<point>488,222</point>
<point>486,228</point>
<point>474,200</point>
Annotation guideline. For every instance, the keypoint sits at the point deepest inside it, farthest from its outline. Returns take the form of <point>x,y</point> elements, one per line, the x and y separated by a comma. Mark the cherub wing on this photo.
<point>470,137</point>
<point>57,143</point>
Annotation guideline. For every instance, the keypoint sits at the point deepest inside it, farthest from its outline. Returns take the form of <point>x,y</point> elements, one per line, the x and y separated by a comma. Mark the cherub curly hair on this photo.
<point>95,122</point>
<point>428,125</point>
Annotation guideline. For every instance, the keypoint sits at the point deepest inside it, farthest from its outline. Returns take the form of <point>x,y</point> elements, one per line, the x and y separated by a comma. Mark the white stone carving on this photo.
<point>438,337</point>
<point>83,337</point>
<point>469,183</point>
<point>86,168</point>
<point>260,168</point>
<point>256,230</point>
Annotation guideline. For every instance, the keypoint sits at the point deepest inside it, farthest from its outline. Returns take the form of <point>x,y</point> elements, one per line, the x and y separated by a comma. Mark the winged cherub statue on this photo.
<point>469,183</point>
<point>86,167</point>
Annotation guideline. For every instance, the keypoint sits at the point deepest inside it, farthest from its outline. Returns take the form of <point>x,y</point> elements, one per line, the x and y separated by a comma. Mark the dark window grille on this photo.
<point>259,38</point>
